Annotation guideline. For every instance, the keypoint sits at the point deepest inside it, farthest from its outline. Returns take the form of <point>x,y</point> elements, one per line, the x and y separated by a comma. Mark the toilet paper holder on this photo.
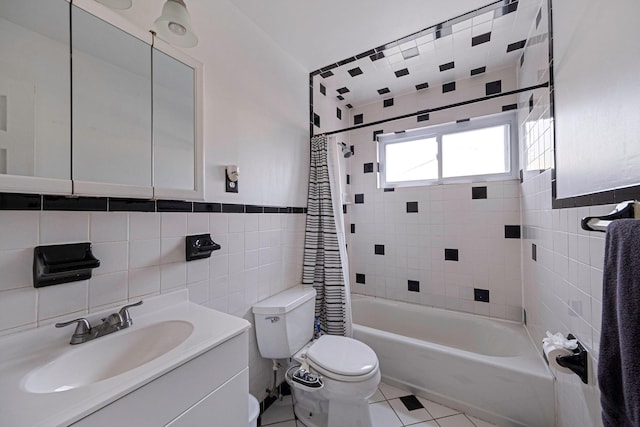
<point>577,362</point>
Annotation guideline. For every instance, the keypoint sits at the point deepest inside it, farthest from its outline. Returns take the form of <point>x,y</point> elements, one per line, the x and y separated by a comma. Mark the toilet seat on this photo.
<point>342,359</point>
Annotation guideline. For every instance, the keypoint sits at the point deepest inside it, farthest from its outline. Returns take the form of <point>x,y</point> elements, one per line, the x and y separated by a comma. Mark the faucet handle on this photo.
<point>124,314</point>
<point>83,328</point>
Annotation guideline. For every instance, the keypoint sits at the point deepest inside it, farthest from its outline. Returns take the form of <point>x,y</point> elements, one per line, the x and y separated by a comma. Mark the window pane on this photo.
<point>475,152</point>
<point>412,160</point>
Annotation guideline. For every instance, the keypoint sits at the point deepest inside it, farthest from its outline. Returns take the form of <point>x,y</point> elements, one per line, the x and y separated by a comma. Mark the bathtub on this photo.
<point>485,367</point>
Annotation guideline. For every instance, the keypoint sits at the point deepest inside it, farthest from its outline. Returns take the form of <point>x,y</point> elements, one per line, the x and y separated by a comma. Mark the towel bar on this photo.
<point>628,209</point>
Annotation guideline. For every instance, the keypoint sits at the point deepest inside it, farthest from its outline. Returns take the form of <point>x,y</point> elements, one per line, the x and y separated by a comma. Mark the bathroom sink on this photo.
<point>107,357</point>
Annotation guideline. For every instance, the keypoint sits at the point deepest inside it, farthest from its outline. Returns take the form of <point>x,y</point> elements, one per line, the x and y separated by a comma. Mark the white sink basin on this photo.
<point>107,357</point>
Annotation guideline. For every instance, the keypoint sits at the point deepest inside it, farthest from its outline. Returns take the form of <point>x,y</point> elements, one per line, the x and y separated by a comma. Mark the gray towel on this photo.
<point>619,361</point>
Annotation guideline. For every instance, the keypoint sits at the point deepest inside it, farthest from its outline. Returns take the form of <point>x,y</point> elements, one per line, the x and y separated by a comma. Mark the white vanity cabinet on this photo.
<point>209,390</point>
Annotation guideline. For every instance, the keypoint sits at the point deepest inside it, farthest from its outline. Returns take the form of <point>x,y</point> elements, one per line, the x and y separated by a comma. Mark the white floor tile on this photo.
<point>383,416</point>
<point>409,417</point>
<point>480,423</point>
<point>432,423</point>
<point>391,392</point>
<point>279,411</point>
<point>459,420</point>
<point>436,410</point>
<point>377,397</point>
<point>285,424</point>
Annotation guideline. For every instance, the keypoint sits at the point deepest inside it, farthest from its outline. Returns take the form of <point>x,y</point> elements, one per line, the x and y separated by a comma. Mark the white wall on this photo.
<point>255,116</point>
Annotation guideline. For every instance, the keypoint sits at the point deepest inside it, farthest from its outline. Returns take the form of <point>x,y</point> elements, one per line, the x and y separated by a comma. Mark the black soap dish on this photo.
<point>56,264</point>
<point>200,246</point>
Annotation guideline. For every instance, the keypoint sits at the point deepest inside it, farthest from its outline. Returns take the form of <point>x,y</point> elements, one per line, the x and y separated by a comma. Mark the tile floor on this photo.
<point>389,408</point>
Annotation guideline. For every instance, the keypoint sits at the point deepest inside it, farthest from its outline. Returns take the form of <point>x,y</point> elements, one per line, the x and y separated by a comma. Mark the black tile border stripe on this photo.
<point>44,202</point>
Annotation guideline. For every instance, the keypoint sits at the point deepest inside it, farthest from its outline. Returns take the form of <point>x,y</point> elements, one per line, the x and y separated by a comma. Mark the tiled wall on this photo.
<point>141,255</point>
<point>562,264</point>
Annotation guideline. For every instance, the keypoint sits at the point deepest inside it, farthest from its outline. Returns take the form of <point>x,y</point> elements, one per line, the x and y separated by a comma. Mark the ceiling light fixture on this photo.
<point>174,25</point>
<point>116,4</point>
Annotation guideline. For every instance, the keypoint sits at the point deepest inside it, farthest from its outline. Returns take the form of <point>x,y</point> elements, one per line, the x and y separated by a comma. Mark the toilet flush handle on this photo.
<point>273,319</point>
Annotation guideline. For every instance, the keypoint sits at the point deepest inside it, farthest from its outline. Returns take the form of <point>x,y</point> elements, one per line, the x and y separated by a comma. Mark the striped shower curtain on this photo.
<point>322,263</point>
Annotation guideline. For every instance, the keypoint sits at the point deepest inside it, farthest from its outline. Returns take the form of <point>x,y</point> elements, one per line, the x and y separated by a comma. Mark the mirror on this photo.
<point>173,123</point>
<point>448,63</point>
<point>111,106</point>
<point>35,94</point>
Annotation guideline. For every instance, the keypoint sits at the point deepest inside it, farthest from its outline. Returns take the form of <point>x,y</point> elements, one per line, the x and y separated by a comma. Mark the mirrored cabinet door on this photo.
<point>111,109</point>
<point>173,123</point>
<point>35,89</point>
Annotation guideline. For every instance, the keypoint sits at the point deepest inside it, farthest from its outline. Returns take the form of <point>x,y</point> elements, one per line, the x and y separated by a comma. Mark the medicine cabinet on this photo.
<point>92,106</point>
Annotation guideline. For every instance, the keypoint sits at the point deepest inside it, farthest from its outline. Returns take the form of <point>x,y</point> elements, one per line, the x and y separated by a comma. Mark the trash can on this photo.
<point>254,411</point>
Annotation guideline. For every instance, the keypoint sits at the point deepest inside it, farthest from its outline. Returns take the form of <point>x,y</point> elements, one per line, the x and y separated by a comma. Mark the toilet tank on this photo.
<point>284,322</point>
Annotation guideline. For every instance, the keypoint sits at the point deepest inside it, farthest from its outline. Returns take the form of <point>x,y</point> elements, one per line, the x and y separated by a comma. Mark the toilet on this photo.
<point>332,377</point>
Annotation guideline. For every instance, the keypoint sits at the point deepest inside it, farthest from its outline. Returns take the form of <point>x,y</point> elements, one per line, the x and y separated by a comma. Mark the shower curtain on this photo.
<point>325,261</point>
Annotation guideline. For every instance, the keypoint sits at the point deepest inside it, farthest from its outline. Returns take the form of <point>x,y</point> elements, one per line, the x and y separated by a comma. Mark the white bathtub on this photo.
<point>485,367</point>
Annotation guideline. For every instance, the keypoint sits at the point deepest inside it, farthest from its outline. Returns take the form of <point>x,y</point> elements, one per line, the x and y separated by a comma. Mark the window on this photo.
<point>482,149</point>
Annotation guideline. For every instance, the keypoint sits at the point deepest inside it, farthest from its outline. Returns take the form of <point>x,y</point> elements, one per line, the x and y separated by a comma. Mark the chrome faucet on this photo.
<point>112,323</point>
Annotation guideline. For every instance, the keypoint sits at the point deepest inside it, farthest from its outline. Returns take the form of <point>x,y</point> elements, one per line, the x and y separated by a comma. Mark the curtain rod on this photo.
<point>431,110</point>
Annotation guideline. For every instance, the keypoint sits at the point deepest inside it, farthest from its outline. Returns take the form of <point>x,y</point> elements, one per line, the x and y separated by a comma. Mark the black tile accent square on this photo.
<point>352,148</point>
<point>359,198</point>
<point>20,202</point>
<point>511,7</point>
<point>376,133</point>
<point>383,91</point>
<point>378,249</point>
<point>340,97</point>
<point>344,209</point>
<point>463,120</point>
<point>358,119</point>
<point>298,210</point>
<point>62,203</point>
<point>388,190</point>
<point>448,66</point>
<point>271,209</point>
<point>355,71</point>
<point>448,87</point>
<point>348,179</point>
<point>175,206</point>
<point>512,232</point>
<point>388,103</point>
<point>478,192</point>
<point>316,120</point>
<point>283,210</point>
<point>413,286</point>
<point>423,117</point>
<point>326,74</point>
<point>365,54</point>
<point>509,107</point>
<point>493,87</point>
<point>481,295</point>
<point>482,38</point>
<point>349,106</point>
<point>232,208</point>
<point>531,103</point>
<point>376,56</point>
<point>253,209</point>
<point>521,60</point>
<point>516,46</point>
<point>368,168</point>
<point>353,228</point>
<point>131,205</point>
<point>360,278</point>
<point>534,252</point>
<point>412,207</point>
<point>343,90</point>
<point>443,31</point>
<point>479,70</point>
<point>338,113</point>
<point>422,86</point>
<point>451,255</point>
<point>538,18</point>
<point>401,73</point>
<point>323,89</point>
<point>521,176</point>
<point>411,402</point>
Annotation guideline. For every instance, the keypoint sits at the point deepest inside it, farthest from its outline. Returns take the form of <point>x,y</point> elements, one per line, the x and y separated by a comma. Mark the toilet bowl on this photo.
<point>350,376</point>
<point>332,377</point>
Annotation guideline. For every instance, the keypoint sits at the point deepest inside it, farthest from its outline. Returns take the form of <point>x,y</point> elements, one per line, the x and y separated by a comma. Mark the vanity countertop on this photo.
<point>24,352</point>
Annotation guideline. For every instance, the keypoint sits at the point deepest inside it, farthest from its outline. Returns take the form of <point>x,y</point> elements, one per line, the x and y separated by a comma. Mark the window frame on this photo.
<point>438,131</point>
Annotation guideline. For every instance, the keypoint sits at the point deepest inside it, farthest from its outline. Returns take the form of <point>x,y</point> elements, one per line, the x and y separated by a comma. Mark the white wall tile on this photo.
<point>144,226</point>
<point>108,289</point>
<point>172,276</point>
<point>18,229</point>
<point>16,266</point>
<point>144,253</point>
<point>18,308</point>
<point>113,256</point>
<point>173,224</point>
<point>54,301</point>
<point>236,223</point>
<point>197,223</point>
<point>109,227</point>
<point>144,281</point>
<point>64,227</point>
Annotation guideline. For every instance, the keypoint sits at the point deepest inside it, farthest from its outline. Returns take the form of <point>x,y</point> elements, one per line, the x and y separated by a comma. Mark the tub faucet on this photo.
<point>110,324</point>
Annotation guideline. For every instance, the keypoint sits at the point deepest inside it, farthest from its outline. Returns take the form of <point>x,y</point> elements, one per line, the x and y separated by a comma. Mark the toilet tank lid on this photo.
<point>285,301</point>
